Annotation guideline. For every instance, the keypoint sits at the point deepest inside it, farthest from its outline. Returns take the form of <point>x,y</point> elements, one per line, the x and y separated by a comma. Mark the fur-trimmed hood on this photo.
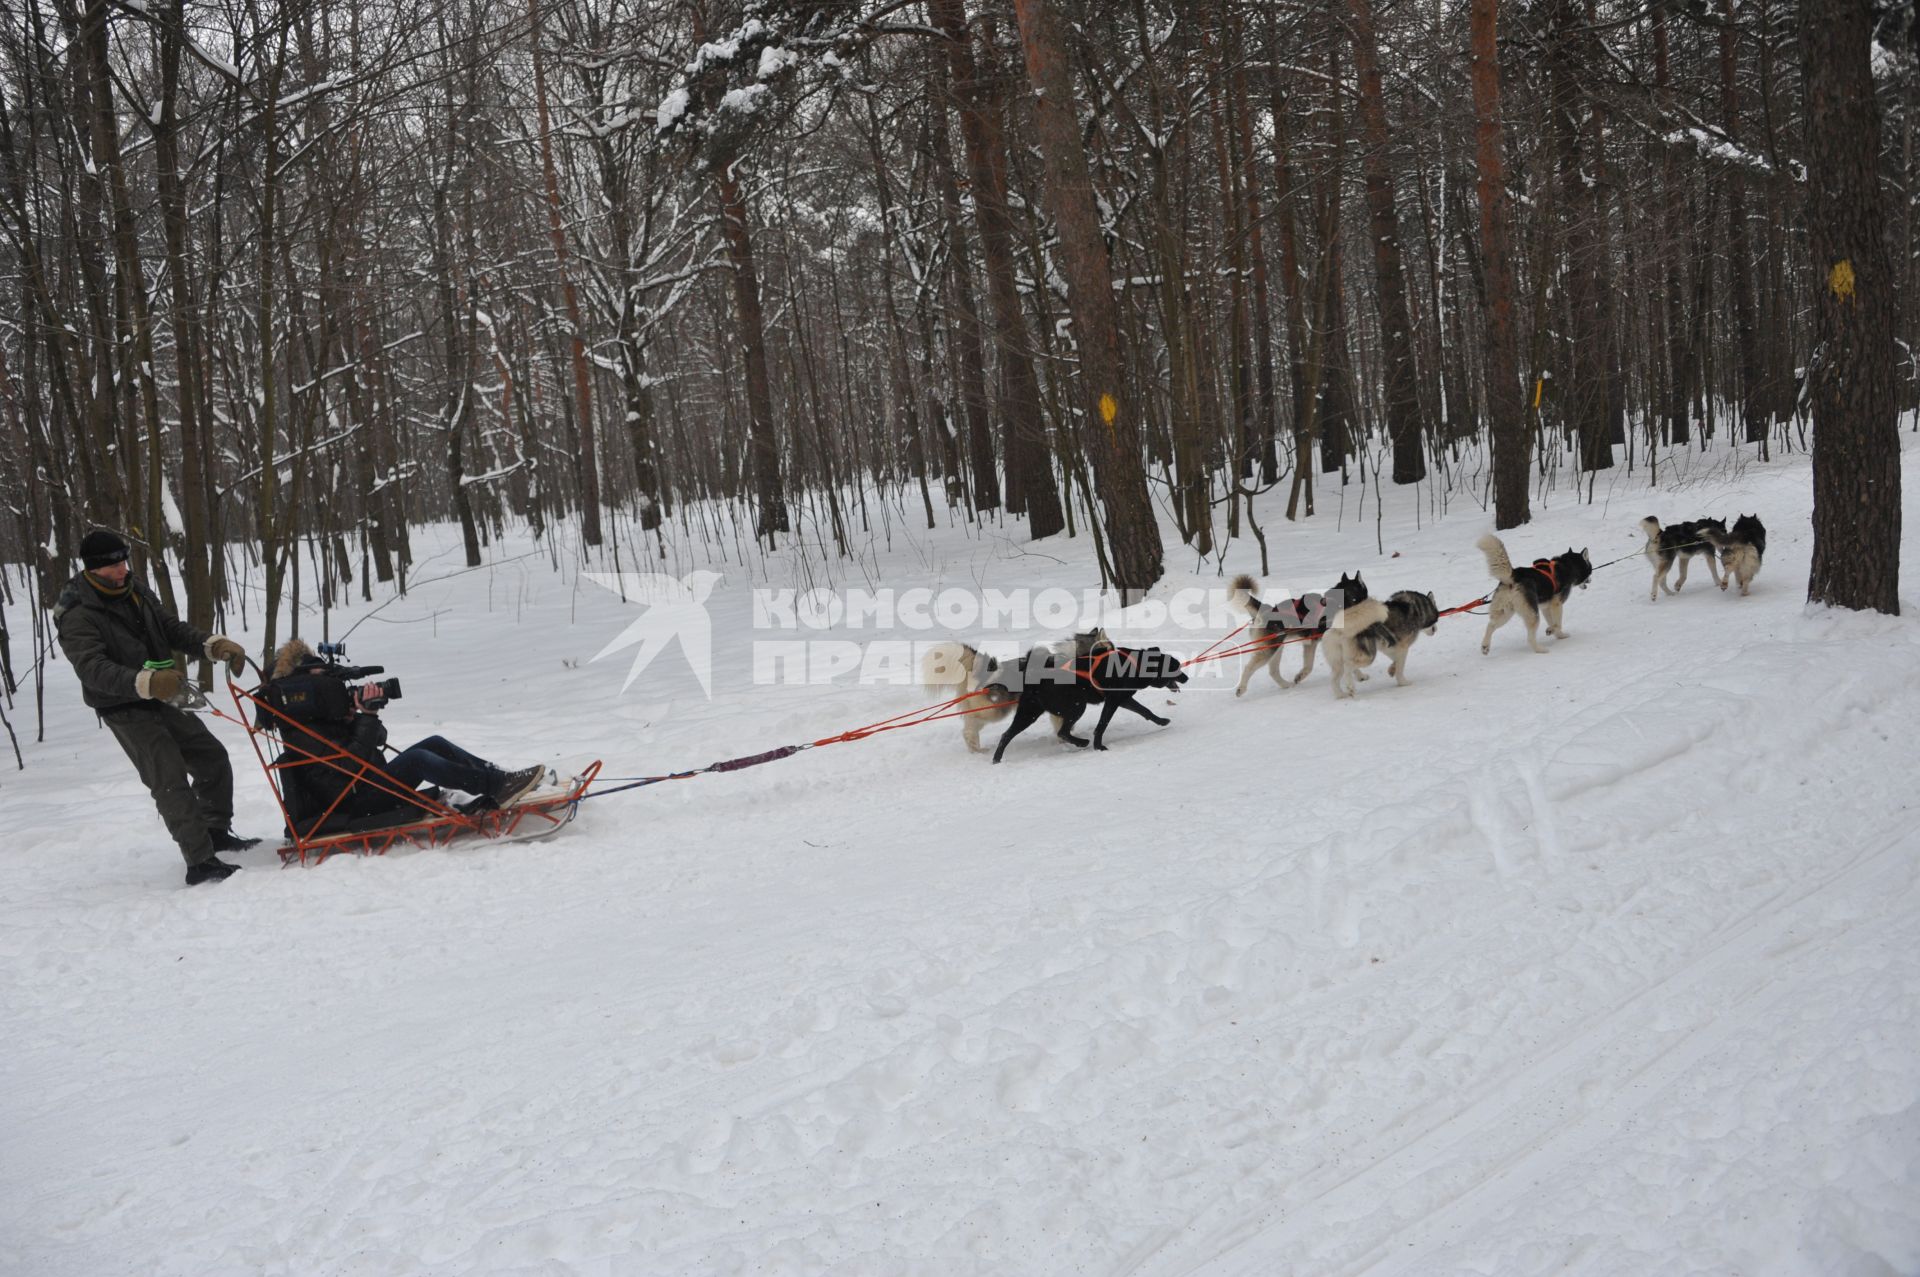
<point>292,654</point>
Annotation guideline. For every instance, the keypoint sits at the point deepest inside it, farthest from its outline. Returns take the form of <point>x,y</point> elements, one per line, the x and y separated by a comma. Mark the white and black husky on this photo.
<point>1408,614</point>
<point>1529,591</point>
<point>1745,546</point>
<point>1681,541</point>
<point>1305,619</point>
<point>958,668</point>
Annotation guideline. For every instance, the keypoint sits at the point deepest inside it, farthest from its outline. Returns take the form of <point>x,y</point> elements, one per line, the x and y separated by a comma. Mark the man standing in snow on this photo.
<point>121,641</point>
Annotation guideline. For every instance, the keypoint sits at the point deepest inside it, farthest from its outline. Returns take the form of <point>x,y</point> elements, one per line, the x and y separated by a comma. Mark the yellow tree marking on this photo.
<point>1840,279</point>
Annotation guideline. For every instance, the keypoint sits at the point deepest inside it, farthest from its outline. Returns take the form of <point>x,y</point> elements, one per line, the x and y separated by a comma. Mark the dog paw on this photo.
<point>1099,748</point>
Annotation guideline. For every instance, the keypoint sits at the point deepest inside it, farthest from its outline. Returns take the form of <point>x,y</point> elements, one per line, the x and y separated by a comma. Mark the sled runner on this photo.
<point>384,813</point>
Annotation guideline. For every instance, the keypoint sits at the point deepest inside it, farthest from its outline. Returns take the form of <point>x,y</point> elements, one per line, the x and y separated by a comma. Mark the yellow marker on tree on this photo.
<point>1109,408</point>
<point>1840,279</point>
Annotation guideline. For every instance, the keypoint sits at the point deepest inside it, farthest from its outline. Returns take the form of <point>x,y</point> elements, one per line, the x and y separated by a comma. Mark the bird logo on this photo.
<point>676,612</point>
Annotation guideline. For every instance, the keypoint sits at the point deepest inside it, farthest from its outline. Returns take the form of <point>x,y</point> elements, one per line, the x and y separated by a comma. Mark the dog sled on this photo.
<point>383,812</point>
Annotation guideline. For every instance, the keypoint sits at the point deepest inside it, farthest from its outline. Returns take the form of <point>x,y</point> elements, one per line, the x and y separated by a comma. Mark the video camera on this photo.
<point>387,689</point>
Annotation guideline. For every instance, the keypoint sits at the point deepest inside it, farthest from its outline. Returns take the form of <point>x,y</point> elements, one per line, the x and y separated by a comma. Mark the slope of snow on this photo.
<point>1601,961</point>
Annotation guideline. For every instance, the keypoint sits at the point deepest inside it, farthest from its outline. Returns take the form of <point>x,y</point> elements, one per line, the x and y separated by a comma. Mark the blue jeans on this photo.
<point>438,761</point>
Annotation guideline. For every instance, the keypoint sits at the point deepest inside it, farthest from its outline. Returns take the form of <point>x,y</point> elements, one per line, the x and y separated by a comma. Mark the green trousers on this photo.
<point>184,767</point>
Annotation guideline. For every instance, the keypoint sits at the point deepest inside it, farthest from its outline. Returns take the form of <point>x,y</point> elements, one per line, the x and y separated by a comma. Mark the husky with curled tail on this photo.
<point>1526,592</point>
<point>1682,542</point>
<point>1409,614</point>
<point>959,669</point>
<point>1342,641</point>
<point>1304,620</point>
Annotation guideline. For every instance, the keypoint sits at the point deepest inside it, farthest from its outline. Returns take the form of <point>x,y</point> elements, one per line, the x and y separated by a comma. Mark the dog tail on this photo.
<point>1242,592</point>
<point>1368,643</point>
<point>948,666</point>
<point>1651,526</point>
<point>1497,561</point>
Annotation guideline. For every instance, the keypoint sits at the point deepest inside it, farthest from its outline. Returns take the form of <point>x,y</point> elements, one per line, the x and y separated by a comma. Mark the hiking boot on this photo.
<point>212,869</point>
<point>510,787</point>
<point>227,840</point>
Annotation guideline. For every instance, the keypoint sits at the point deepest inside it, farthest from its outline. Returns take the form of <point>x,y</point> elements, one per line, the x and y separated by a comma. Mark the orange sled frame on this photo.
<point>434,825</point>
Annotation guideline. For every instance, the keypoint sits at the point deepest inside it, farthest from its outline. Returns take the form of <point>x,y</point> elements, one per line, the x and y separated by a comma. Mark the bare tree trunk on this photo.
<point>1856,443</point>
<point>195,553</point>
<point>1111,434</point>
<point>1587,394</point>
<point>582,378</point>
<point>980,93</point>
<point>964,320</point>
<point>771,518</point>
<point>1673,208</point>
<point>1739,255</point>
<point>1396,328</point>
<point>1504,404</point>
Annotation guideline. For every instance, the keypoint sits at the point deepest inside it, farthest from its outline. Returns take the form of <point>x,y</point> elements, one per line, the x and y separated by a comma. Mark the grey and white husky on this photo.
<point>959,668</point>
<point>1408,614</point>
<point>1305,619</point>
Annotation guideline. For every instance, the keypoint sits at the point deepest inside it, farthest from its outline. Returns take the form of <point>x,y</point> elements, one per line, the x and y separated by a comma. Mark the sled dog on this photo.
<point>1681,541</point>
<point>1305,619</point>
<point>1408,614</point>
<point>1114,677</point>
<point>958,668</point>
<point>1743,550</point>
<point>1526,592</point>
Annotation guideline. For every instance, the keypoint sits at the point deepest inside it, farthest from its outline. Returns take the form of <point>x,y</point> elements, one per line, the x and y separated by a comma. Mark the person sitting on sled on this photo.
<point>320,715</point>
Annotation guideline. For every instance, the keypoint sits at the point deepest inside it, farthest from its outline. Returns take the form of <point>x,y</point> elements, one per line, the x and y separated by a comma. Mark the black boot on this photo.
<point>509,787</point>
<point>212,869</point>
<point>227,840</point>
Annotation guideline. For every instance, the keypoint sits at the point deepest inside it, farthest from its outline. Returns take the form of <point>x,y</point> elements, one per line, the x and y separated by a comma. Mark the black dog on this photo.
<point>1113,678</point>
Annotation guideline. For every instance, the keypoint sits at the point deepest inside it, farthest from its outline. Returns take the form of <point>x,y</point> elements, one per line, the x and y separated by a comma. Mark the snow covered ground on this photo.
<point>1602,961</point>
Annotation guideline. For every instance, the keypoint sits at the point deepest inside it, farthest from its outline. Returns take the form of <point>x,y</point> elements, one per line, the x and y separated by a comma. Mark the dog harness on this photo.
<point>1551,570</point>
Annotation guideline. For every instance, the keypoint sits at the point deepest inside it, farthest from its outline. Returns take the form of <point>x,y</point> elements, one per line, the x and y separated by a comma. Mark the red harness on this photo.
<point>1550,569</point>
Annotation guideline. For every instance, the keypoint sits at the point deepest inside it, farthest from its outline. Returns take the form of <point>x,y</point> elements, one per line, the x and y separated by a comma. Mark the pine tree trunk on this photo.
<point>1856,444</point>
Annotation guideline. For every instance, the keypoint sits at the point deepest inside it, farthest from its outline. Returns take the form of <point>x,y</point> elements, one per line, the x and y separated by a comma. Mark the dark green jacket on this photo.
<point>109,640</point>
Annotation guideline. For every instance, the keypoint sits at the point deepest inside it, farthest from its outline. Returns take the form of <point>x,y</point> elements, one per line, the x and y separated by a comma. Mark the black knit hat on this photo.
<point>101,547</point>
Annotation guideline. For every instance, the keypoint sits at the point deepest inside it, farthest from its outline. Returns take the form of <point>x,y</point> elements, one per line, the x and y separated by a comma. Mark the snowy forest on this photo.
<point>757,432</point>
<point>284,281</point>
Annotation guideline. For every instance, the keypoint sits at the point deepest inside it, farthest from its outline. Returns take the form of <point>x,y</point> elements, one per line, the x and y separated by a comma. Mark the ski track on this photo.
<point>1601,962</point>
